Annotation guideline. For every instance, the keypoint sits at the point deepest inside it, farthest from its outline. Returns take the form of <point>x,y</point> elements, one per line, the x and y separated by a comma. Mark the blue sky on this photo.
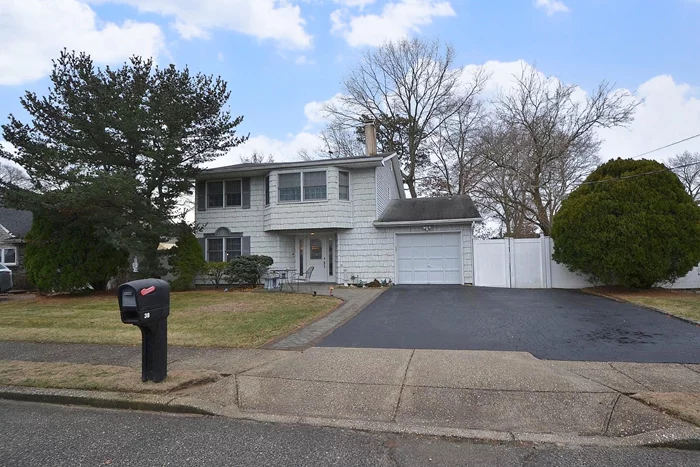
<point>283,58</point>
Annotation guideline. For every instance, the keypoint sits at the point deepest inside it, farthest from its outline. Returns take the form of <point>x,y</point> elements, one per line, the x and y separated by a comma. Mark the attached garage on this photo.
<point>429,258</point>
<point>432,239</point>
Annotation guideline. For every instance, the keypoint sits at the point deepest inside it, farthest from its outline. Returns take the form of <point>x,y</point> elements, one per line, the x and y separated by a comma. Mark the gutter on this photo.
<point>387,158</point>
<point>467,220</point>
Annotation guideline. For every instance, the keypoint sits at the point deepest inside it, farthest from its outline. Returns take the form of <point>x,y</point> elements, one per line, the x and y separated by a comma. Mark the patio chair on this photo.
<point>304,279</point>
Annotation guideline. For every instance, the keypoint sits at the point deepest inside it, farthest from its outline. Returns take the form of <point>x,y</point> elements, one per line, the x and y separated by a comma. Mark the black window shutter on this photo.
<point>201,192</point>
<point>246,193</point>
<point>203,244</point>
<point>245,246</point>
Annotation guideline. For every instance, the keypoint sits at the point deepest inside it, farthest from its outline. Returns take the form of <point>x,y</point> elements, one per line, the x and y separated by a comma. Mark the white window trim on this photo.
<point>349,184</point>
<point>224,240</point>
<point>301,181</point>
<point>224,206</point>
<point>267,190</point>
<point>2,259</point>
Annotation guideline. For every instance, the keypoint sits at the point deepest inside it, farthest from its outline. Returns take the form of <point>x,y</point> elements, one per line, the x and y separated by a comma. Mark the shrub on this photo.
<point>187,260</point>
<point>632,230</point>
<point>216,271</point>
<point>69,257</point>
<point>248,269</point>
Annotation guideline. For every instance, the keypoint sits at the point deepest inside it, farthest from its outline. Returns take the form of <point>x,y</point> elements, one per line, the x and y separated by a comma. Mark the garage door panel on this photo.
<point>431,258</point>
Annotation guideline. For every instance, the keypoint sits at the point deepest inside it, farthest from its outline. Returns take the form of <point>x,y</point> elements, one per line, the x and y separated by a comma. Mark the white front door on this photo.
<point>314,251</point>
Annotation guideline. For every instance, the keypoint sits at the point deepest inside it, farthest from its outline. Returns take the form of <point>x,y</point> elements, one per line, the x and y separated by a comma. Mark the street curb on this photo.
<point>105,400</point>
<point>679,438</point>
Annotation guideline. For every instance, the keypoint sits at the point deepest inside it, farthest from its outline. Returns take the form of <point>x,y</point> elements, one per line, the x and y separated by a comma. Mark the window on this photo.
<point>330,255</point>
<point>311,184</point>
<point>234,193</point>
<point>234,247</point>
<point>217,253</point>
<point>301,256</point>
<point>228,193</point>
<point>215,249</point>
<point>267,190</point>
<point>289,187</point>
<point>314,185</point>
<point>344,185</point>
<point>215,194</point>
<point>315,248</point>
<point>9,256</point>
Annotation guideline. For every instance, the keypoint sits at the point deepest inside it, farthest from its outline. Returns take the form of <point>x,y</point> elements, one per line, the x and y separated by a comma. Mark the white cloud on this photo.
<point>314,111</point>
<point>278,20</point>
<point>32,32</point>
<point>304,60</point>
<point>397,20</point>
<point>355,3</point>
<point>552,7</point>
<point>283,150</point>
<point>669,112</point>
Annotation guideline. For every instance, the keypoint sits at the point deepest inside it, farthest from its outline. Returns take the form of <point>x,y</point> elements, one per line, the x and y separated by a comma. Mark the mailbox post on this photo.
<point>146,303</point>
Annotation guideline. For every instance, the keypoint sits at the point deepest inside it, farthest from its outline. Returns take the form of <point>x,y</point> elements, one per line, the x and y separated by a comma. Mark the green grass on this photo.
<point>94,377</point>
<point>676,302</point>
<point>199,318</point>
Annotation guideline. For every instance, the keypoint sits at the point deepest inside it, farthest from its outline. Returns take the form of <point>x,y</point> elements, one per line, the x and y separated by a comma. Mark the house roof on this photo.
<point>444,210</point>
<point>15,221</point>
<point>258,169</point>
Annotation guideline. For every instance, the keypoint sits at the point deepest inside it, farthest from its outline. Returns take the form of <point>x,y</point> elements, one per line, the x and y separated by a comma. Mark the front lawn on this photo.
<point>199,318</point>
<point>681,303</point>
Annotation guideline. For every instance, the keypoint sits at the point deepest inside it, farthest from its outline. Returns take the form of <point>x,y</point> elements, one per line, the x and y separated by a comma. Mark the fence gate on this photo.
<point>522,263</point>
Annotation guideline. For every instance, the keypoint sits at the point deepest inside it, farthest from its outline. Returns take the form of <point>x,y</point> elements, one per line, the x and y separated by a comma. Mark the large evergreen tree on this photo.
<point>115,150</point>
<point>630,223</point>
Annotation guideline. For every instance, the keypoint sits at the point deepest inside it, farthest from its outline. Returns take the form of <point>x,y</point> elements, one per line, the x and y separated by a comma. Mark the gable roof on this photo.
<point>15,221</point>
<point>443,210</point>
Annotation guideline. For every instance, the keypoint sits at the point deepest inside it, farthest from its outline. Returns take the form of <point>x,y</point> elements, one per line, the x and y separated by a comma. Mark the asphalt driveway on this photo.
<point>550,324</point>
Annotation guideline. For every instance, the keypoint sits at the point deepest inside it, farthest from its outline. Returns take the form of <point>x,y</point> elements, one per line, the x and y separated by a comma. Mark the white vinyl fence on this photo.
<point>526,263</point>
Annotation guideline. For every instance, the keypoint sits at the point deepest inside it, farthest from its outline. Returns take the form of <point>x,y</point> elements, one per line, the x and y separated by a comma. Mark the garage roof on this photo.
<point>444,210</point>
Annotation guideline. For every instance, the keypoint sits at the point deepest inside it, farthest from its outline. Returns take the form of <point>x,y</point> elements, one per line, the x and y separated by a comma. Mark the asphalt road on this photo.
<point>39,434</point>
<point>550,324</point>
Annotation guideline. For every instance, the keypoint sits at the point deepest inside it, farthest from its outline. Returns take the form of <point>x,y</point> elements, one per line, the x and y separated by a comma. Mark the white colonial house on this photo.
<point>348,218</point>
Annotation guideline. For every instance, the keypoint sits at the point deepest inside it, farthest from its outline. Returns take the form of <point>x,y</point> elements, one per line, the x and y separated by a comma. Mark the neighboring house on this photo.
<point>14,226</point>
<point>348,218</point>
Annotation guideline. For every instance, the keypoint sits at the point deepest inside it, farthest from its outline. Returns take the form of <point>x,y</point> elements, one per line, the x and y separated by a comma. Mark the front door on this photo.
<point>317,257</point>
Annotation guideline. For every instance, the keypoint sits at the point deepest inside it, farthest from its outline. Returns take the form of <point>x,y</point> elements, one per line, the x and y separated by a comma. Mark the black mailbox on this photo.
<point>146,303</point>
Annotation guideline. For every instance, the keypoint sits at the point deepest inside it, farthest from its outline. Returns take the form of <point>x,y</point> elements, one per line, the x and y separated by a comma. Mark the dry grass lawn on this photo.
<point>683,405</point>
<point>201,318</point>
<point>681,303</point>
<point>95,377</point>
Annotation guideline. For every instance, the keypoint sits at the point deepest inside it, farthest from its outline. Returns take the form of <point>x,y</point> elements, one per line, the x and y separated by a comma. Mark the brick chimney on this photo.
<point>370,139</point>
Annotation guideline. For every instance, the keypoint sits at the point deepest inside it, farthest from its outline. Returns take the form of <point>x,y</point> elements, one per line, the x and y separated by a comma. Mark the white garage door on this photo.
<point>431,258</point>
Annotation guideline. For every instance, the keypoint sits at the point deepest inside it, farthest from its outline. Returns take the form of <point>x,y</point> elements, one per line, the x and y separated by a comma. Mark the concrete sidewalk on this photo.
<point>502,396</point>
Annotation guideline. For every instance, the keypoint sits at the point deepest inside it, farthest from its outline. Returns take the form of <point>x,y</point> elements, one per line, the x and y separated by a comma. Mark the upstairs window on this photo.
<point>228,193</point>
<point>302,186</point>
<point>215,194</point>
<point>234,193</point>
<point>289,187</point>
<point>267,190</point>
<point>314,185</point>
<point>344,185</point>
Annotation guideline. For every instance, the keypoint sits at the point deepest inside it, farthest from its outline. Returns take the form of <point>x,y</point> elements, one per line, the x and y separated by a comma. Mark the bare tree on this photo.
<point>257,158</point>
<point>556,127</point>
<point>412,83</point>
<point>501,194</point>
<point>687,167</point>
<point>11,175</point>
<point>457,166</point>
